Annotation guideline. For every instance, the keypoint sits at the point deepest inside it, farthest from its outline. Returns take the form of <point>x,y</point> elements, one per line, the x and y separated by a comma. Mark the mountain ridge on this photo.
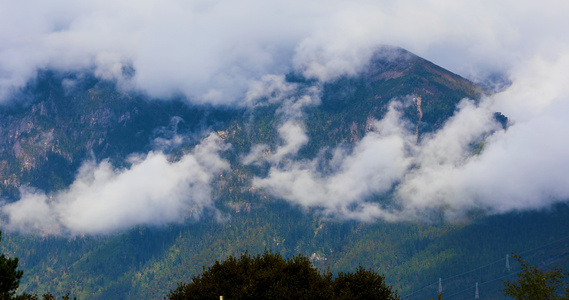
<point>146,261</point>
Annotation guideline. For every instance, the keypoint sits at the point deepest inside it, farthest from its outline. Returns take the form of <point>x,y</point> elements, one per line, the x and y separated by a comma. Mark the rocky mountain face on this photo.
<point>65,119</point>
<point>62,120</point>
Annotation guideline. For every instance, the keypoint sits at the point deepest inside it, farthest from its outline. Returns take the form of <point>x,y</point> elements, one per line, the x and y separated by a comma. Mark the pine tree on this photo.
<point>9,276</point>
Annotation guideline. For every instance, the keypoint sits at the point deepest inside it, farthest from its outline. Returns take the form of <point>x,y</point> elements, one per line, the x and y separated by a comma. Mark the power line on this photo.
<point>449,278</point>
<point>477,285</point>
<point>546,245</point>
<point>420,290</point>
<point>508,268</point>
<point>475,269</point>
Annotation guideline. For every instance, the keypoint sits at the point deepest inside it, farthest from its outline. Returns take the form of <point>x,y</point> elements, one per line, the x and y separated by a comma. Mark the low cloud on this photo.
<point>387,175</point>
<point>376,163</point>
<point>154,190</point>
<point>291,99</point>
<point>471,163</point>
<point>526,166</point>
<point>211,52</point>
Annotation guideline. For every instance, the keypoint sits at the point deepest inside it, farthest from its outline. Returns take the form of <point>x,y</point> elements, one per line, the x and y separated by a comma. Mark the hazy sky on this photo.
<point>233,52</point>
<point>213,50</point>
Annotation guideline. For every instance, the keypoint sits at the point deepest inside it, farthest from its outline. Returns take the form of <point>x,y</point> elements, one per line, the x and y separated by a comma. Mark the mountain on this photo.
<point>63,119</point>
<point>60,121</point>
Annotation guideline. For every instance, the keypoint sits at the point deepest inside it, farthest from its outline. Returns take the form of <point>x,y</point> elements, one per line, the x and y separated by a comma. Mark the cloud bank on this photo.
<point>212,51</point>
<point>153,191</point>
<point>377,162</point>
<point>470,164</point>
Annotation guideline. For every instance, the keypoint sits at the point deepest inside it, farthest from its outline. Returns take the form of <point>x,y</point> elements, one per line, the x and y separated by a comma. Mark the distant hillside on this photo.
<point>67,119</point>
<point>64,119</point>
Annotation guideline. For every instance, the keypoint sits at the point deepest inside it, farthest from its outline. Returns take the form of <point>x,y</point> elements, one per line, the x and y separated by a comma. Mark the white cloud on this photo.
<point>102,199</point>
<point>523,167</point>
<point>379,160</point>
<point>272,87</point>
<point>212,51</point>
<point>294,138</point>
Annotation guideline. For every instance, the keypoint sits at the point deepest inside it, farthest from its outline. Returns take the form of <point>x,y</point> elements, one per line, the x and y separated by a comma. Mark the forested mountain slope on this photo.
<point>289,123</point>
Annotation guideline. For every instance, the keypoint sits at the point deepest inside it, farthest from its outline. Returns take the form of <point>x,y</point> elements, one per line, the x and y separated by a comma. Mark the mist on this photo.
<point>471,164</point>
<point>154,190</point>
<point>211,52</point>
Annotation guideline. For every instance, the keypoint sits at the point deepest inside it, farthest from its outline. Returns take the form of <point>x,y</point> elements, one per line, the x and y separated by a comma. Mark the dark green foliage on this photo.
<point>363,284</point>
<point>270,276</point>
<point>260,277</point>
<point>47,296</point>
<point>535,284</point>
<point>10,281</point>
<point>9,276</point>
<point>500,118</point>
<point>412,256</point>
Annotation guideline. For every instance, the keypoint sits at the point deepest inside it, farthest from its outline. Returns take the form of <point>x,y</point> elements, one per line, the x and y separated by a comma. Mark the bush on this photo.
<point>535,284</point>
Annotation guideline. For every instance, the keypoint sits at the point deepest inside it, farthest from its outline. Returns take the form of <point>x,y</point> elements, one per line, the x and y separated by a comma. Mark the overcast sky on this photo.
<point>212,50</point>
<point>232,52</point>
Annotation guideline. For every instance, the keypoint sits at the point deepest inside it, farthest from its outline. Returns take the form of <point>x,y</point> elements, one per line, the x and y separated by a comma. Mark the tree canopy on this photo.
<point>535,284</point>
<point>270,276</point>
<point>9,275</point>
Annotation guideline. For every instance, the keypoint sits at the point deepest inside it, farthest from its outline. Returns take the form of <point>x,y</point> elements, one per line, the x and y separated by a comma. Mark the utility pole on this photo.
<point>440,285</point>
<point>508,262</point>
<point>476,294</point>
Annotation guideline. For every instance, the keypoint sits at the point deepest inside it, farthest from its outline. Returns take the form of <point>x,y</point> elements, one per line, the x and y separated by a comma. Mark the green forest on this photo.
<point>98,122</point>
